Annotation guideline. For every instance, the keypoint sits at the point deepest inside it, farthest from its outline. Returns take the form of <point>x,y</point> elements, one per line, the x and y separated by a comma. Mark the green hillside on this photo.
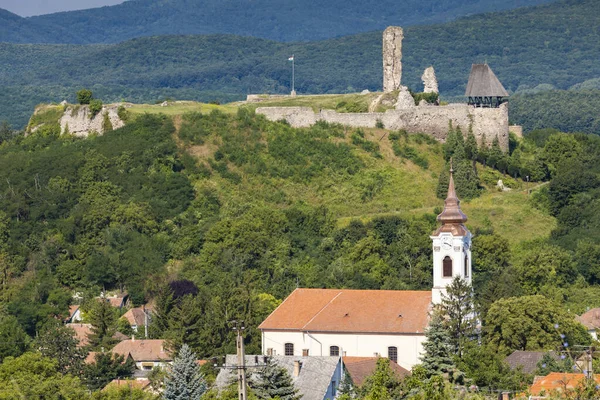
<point>522,47</point>
<point>212,213</point>
<point>286,20</point>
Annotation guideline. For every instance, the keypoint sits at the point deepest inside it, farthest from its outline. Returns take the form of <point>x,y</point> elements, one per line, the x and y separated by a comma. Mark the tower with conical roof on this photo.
<point>451,245</point>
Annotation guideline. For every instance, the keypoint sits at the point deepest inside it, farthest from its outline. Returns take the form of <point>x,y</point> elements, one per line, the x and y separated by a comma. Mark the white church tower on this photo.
<point>451,246</point>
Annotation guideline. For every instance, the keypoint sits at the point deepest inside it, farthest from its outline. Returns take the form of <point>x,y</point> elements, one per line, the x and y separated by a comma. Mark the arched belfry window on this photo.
<point>466,266</point>
<point>447,267</point>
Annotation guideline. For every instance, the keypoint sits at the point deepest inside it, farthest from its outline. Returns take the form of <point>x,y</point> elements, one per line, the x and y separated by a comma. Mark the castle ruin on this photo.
<point>486,119</point>
<point>392,58</point>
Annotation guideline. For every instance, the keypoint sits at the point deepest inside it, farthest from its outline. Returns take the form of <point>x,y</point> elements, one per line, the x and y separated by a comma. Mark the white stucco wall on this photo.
<point>457,247</point>
<point>410,347</point>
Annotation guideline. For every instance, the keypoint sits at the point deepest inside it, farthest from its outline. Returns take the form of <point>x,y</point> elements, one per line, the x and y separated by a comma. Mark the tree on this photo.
<point>104,323</point>
<point>58,342</point>
<point>184,381</point>
<point>273,381</point>
<point>531,323</point>
<point>32,376</point>
<point>437,348</point>
<point>84,96</point>
<point>123,393</point>
<point>471,146</point>
<point>6,132</point>
<point>105,368</point>
<point>382,384</point>
<point>95,107</point>
<point>14,341</point>
<point>459,312</point>
<point>552,362</point>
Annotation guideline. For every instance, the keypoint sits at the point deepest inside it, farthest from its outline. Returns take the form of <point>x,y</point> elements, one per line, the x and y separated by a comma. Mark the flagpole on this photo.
<point>293,74</point>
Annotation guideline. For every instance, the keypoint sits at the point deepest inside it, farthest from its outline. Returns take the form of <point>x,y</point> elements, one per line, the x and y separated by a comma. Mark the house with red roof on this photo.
<point>372,323</point>
<point>146,354</point>
<point>555,385</point>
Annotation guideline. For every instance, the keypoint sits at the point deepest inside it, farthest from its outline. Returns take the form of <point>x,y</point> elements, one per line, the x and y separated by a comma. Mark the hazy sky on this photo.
<point>26,8</point>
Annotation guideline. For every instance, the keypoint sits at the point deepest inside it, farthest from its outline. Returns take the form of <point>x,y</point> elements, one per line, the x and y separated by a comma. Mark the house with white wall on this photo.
<point>368,323</point>
<point>146,354</point>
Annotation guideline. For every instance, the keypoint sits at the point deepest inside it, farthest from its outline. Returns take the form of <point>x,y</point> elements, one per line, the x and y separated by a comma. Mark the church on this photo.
<point>371,323</point>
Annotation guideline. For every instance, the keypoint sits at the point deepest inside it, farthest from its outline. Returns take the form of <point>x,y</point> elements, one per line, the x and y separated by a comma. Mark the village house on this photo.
<point>527,361</point>
<point>544,387</point>
<point>591,320</point>
<point>359,368</point>
<point>371,323</point>
<point>139,319</point>
<point>146,354</point>
<point>316,378</point>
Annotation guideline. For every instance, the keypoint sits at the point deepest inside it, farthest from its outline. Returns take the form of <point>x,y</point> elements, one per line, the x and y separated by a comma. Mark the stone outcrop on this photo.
<point>430,83</point>
<point>392,58</point>
<point>405,99</point>
<point>78,122</point>
<point>433,120</point>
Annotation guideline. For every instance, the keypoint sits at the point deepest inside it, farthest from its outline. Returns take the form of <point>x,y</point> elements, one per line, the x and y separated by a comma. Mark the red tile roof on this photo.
<point>143,350</point>
<point>81,333</point>
<point>135,316</point>
<point>557,381</point>
<point>91,357</point>
<point>590,319</point>
<point>342,310</point>
<point>360,368</point>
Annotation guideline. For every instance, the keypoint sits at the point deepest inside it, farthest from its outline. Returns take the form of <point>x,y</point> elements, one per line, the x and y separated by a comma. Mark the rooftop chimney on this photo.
<point>297,368</point>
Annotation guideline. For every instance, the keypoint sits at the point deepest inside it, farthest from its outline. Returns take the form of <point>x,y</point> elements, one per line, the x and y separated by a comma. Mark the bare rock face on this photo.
<point>78,120</point>
<point>405,99</point>
<point>430,82</point>
<point>392,58</point>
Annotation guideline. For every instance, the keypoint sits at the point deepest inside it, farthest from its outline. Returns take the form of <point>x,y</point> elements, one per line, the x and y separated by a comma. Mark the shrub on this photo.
<point>84,96</point>
<point>95,107</point>
<point>379,124</point>
<point>123,113</point>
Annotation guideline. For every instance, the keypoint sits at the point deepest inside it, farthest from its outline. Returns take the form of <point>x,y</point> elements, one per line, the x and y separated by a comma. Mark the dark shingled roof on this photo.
<point>528,360</point>
<point>483,82</point>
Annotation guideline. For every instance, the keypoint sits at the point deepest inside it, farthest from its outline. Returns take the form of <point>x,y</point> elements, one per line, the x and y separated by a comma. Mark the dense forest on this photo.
<point>216,216</point>
<point>225,67</point>
<point>289,20</point>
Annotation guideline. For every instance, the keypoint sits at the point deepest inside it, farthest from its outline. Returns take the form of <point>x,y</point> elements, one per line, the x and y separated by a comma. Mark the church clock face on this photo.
<point>446,242</point>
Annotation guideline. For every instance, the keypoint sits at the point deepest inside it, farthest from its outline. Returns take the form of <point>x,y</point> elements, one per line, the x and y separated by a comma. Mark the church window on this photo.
<point>393,353</point>
<point>334,351</point>
<point>447,267</point>
<point>466,266</point>
<point>289,349</point>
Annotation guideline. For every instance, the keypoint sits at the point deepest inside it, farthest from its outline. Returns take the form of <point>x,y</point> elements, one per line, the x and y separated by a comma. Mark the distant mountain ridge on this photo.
<point>282,20</point>
<point>550,46</point>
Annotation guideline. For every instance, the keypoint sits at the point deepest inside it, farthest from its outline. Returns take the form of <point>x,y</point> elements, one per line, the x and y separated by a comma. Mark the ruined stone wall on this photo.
<point>433,120</point>
<point>392,58</point>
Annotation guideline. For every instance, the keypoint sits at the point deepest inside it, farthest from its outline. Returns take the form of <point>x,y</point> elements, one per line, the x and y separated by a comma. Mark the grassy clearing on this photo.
<point>181,107</point>
<point>45,115</point>
<point>316,102</point>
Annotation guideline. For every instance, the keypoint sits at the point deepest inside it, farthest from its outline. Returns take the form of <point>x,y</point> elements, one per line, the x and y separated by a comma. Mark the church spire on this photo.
<point>452,218</point>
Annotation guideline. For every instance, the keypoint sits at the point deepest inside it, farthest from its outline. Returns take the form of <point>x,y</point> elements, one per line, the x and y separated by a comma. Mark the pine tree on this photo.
<point>104,324</point>
<point>458,308</point>
<point>273,381</point>
<point>184,381</point>
<point>58,342</point>
<point>437,356</point>
<point>471,146</point>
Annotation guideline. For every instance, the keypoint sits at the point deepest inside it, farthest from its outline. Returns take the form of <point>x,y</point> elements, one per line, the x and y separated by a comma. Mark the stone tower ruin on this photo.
<point>392,58</point>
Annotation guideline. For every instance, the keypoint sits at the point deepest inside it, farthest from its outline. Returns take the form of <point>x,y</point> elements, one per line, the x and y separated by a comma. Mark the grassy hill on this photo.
<point>288,20</point>
<point>523,48</point>
<point>246,210</point>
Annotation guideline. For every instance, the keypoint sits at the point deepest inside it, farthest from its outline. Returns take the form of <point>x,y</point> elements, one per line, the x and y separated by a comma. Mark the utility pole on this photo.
<point>241,364</point>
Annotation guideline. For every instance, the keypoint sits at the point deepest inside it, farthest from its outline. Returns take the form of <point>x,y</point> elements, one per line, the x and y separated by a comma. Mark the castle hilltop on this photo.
<point>486,113</point>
